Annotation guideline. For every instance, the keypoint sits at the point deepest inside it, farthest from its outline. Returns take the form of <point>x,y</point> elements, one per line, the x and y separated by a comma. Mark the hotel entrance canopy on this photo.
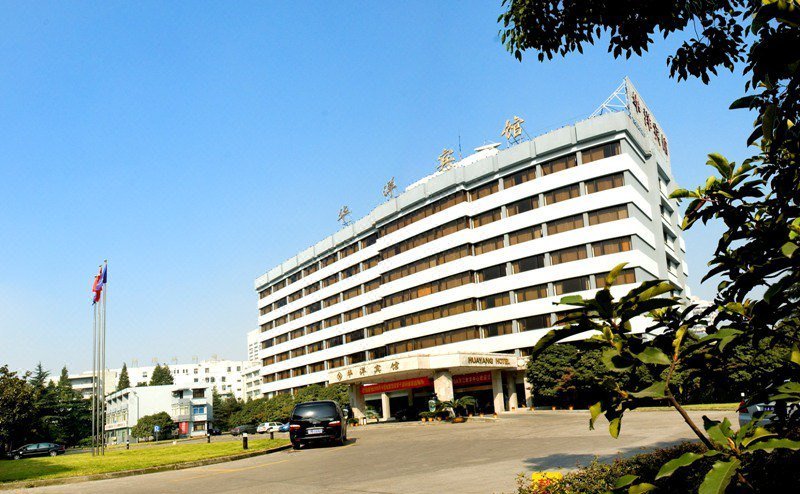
<point>405,367</point>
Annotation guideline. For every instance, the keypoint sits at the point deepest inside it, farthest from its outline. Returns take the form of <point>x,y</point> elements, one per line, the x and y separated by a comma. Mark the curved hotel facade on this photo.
<point>444,289</point>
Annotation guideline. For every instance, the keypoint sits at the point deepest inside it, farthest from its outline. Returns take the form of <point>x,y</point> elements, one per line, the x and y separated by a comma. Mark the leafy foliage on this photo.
<point>144,427</point>
<point>279,408</point>
<point>161,376</point>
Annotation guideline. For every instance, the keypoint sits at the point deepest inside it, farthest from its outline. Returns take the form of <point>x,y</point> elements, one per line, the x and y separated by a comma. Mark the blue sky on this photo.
<point>196,145</point>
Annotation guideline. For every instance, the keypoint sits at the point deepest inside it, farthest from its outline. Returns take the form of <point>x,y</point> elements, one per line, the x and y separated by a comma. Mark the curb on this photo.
<point>22,484</point>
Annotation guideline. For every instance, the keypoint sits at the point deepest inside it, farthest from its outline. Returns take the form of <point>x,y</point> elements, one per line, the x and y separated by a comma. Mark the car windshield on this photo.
<point>319,411</point>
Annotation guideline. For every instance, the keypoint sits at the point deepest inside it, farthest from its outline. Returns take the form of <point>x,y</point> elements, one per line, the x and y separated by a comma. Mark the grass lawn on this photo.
<point>708,407</point>
<point>120,459</point>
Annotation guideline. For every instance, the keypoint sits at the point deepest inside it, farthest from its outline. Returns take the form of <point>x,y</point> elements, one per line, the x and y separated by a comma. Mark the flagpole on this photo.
<point>94,376</point>
<point>103,421</point>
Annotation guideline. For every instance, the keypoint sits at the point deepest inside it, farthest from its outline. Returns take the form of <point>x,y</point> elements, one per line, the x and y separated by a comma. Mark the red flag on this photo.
<point>97,286</point>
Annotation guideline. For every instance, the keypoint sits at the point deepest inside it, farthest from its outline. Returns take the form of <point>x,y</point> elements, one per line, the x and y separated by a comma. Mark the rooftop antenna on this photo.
<point>134,362</point>
<point>344,214</point>
<point>460,157</point>
<point>617,102</point>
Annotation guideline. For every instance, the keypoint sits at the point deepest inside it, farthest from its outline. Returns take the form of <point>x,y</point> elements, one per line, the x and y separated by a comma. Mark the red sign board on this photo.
<point>470,379</point>
<point>183,427</point>
<point>417,382</point>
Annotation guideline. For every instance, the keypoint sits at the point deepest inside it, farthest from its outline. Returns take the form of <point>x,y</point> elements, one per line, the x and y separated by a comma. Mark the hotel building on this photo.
<point>444,289</point>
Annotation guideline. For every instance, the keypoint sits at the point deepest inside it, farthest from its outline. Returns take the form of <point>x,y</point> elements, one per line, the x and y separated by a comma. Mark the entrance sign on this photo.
<point>469,379</point>
<point>417,382</point>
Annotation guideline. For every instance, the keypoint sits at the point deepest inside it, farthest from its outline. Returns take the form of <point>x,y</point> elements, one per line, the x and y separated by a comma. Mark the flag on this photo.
<point>99,282</point>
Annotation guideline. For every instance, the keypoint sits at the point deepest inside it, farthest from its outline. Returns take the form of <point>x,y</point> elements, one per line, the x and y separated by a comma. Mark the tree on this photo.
<point>63,380</point>
<point>161,376</point>
<point>16,408</point>
<point>124,380</point>
<point>144,427</point>
<point>757,201</point>
<point>39,377</point>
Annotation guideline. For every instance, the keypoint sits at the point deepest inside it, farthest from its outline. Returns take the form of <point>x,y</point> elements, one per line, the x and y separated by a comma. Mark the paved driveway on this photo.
<point>418,458</point>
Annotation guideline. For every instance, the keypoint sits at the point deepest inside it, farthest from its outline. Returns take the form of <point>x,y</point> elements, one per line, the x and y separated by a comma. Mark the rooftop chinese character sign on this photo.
<point>644,118</point>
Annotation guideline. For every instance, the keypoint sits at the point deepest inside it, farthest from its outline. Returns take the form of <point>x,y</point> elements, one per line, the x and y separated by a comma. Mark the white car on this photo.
<point>268,427</point>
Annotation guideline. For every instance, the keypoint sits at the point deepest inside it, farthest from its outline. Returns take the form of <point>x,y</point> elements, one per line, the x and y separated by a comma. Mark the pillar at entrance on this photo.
<point>511,384</point>
<point>385,406</point>
<point>497,392</point>
<point>443,385</point>
<point>411,397</point>
<point>357,402</point>
<point>528,393</point>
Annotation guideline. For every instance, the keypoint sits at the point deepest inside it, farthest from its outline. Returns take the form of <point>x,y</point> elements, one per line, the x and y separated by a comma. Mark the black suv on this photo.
<point>37,449</point>
<point>316,421</point>
<point>250,429</point>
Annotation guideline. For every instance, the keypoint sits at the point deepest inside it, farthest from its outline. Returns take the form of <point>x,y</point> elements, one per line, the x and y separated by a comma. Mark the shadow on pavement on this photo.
<point>575,460</point>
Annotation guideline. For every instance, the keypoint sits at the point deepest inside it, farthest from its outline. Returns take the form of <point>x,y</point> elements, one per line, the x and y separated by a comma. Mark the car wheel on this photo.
<point>53,453</point>
<point>295,446</point>
<point>17,457</point>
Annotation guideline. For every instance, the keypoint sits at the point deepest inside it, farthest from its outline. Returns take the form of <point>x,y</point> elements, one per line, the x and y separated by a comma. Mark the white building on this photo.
<point>191,408</point>
<point>253,342</point>
<point>251,377</point>
<point>445,288</point>
<point>225,375</point>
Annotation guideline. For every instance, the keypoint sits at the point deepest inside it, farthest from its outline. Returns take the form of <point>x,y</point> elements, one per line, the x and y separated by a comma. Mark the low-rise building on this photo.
<point>191,408</point>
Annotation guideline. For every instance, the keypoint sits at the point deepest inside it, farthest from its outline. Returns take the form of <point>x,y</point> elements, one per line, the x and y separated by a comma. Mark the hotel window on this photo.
<point>330,280</point>
<point>333,299</point>
<point>298,352</point>
<point>314,307</point>
<point>527,204</point>
<point>565,224</point>
<point>562,194</point>
<point>608,214</point>
<point>600,152</point>
<point>375,330</point>
<point>489,245</point>
<point>528,264</point>
<point>483,190</point>
<point>312,328</point>
<point>370,263</point>
<point>269,378</point>
<point>425,237</point>
<point>625,276</point>
<point>486,218</point>
<point>314,347</point>
<point>559,164</point>
<point>316,367</point>
<point>281,356</point>
<point>349,250</point>
<point>531,293</point>
<point>295,277</point>
<point>280,284</point>
<point>605,183</point>
<point>266,309</point>
<point>498,329</point>
<point>263,293</point>
<point>284,374</point>
<point>348,272</point>
<point>372,308</point>
<point>496,300</point>
<point>327,261</point>
<point>335,362</point>
<point>353,314</point>
<point>264,344</point>
<point>377,353</point>
<point>311,268</point>
<point>535,322</point>
<point>367,241</point>
<point>280,302</point>
<point>348,294</point>
<point>427,262</point>
<point>568,255</point>
<point>424,212</point>
<point>571,285</point>
<point>267,361</point>
<point>371,285</point>
<point>525,235</point>
<point>282,338</point>
<point>333,321</point>
<point>279,321</point>
<point>357,358</point>
<point>296,314</point>
<point>299,371</point>
<point>431,314</point>
<point>312,288</point>
<point>519,177</point>
<point>354,336</point>
<point>492,272</point>
<point>297,333</point>
<point>612,246</point>
<point>332,342</point>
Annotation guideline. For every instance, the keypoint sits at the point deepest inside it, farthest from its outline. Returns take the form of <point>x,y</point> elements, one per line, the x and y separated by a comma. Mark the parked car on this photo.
<point>765,413</point>
<point>241,429</point>
<point>37,449</point>
<point>405,414</point>
<point>213,431</point>
<point>317,421</point>
<point>284,427</point>
<point>268,427</point>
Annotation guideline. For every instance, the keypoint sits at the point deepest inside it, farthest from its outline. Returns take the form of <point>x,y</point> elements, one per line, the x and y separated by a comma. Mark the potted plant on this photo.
<point>456,406</point>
